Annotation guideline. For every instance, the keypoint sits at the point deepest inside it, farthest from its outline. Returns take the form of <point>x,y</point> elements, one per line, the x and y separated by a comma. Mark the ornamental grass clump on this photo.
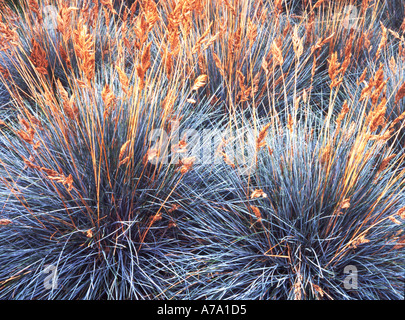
<point>81,190</point>
<point>316,206</point>
<point>82,196</point>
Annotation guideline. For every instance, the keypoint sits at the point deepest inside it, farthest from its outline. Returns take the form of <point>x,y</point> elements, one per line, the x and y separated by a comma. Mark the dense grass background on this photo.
<point>202,149</point>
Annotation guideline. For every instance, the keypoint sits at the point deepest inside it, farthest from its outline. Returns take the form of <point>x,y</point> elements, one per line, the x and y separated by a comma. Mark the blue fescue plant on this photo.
<point>319,205</point>
<point>80,193</point>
